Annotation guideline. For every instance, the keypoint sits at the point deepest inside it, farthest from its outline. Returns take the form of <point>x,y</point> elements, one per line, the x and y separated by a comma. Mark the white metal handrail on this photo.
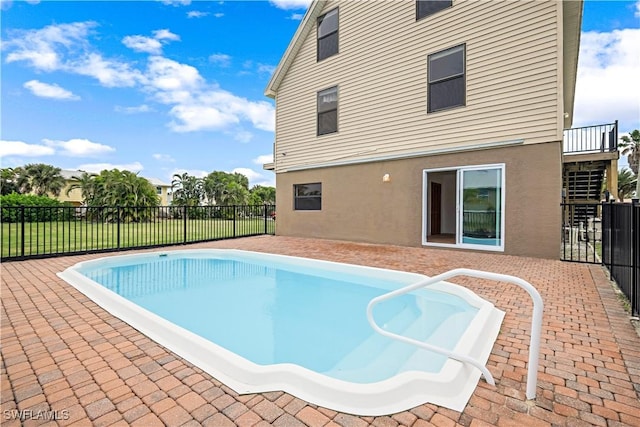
<point>536,322</point>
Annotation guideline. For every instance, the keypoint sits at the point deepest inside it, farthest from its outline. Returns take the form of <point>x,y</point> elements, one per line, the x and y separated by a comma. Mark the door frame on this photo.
<point>458,197</point>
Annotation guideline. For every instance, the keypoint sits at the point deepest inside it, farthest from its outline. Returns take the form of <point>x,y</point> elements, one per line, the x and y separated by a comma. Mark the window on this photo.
<point>158,190</point>
<point>446,72</point>
<point>307,197</point>
<point>429,7</point>
<point>328,111</point>
<point>328,34</point>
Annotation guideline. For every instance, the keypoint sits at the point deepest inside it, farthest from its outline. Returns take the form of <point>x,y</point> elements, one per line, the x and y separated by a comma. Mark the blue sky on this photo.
<point>164,87</point>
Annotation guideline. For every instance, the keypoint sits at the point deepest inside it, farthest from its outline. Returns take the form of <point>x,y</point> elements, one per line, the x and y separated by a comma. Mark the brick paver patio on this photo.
<point>64,356</point>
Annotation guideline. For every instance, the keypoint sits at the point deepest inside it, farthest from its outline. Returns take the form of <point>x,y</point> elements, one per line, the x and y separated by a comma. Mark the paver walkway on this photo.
<point>65,357</point>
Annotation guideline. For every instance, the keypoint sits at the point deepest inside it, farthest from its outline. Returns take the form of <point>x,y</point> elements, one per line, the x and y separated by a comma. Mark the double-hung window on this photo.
<point>446,75</point>
<point>307,197</point>
<point>328,34</point>
<point>429,7</point>
<point>328,111</point>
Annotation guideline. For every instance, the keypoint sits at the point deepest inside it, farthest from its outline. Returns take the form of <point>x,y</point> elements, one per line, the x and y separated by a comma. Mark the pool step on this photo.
<point>375,343</point>
<point>454,325</point>
<point>373,356</point>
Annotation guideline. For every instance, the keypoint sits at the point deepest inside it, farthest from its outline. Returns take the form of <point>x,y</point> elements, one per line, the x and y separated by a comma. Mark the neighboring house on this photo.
<point>427,123</point>
<point>163,190</point>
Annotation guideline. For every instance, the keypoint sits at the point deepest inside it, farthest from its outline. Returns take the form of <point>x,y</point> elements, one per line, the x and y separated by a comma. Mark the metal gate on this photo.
<point>581,232</point>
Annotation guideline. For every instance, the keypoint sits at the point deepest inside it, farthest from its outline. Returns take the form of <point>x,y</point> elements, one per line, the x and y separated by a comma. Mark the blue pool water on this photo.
<point>274,312</point>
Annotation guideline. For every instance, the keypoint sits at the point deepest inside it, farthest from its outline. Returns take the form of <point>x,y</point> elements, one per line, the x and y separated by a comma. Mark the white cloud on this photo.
<point>637,11</point>
<point>165,34</point>
<point>99,167</point>
<point>200,117</point>
<point>19,148</point>
<point>109,73</point>
<point>45,90</point>
<point>193,103</point>
<point>249,173</point>
<point>265,158</point>
<point>607,84</point>
<point>243,136</point>
<point>43,49</point>
<point>290,4</point>
<point>296,16</point>
<point>193,172</point>
<point>143,44</point>
<point>196,14</point>
<point>168,75</point>
<point>256,178</point>
<point>176,2</point>
<point>218,15</point>
<point>163,157</point>
<point>79,147</point>
<point>221,59</point>
<point>265,68</point>
<point>144,108</point>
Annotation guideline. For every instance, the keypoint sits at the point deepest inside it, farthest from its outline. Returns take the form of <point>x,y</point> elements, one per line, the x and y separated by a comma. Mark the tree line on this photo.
<point>127,189</point>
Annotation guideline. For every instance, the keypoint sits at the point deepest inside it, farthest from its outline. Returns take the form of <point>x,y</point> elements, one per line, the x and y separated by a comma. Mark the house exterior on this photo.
<point>163,190</point>
<point>426,123</point>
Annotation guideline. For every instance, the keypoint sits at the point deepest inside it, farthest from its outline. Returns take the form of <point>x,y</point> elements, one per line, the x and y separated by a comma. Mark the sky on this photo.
<point>174,86</point>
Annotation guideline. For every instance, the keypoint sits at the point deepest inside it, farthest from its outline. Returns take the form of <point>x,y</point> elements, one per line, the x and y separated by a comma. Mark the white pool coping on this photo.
<point>452,387</point>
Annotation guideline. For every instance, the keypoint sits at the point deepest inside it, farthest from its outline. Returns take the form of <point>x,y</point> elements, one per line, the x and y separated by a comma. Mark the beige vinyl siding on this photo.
<point>512,74</point>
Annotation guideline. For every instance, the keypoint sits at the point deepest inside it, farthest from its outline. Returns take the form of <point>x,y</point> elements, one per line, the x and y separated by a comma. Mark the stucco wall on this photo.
<point>358,206</point>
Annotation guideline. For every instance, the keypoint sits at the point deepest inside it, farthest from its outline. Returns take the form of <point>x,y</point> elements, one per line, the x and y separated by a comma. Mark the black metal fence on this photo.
<point>621,248</point>
<point>599,138</point>
<point>39,232</point>
<point>581,232</point>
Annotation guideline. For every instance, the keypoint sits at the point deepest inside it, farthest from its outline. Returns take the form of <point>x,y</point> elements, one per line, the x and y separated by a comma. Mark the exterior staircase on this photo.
<point>589,155</point>
<point>582,184</point>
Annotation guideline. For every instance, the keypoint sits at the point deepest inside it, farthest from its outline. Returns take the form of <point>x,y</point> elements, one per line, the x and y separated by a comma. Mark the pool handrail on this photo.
<point>536,322</point>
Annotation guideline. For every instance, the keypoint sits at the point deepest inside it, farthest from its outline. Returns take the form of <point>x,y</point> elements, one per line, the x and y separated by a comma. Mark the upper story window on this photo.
<point>158,190</point>
<point>446,75</point>
<point>429,7</point>
<point>328,34</point>
<point>328,111</point>
<point>307,197</point>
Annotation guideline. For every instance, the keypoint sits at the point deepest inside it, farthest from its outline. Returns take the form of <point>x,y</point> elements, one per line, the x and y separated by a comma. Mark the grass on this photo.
<point>41,238</point>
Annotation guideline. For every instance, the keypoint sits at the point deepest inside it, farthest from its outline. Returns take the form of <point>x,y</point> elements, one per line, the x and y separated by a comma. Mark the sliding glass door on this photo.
<point>464,207</point>
<point>481,206</point>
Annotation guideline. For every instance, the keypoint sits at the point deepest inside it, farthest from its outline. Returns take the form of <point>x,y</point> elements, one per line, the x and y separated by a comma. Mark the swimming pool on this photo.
<point>262,322</point>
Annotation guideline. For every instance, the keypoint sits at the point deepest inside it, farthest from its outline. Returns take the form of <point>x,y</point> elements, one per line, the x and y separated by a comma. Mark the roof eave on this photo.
<point>572,24</point>
<point>294,46</point>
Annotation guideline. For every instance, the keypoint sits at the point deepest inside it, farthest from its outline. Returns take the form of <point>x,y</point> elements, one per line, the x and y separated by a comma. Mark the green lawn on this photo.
<point>42,238</point>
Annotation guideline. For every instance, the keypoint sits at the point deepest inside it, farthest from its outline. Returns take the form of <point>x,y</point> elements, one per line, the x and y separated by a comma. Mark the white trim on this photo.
<point>474,147</point>
<point>459,172</point>
<point>307,23</point>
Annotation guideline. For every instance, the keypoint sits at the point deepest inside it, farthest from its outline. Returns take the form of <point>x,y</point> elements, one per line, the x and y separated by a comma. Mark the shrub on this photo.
<point>37,208</point>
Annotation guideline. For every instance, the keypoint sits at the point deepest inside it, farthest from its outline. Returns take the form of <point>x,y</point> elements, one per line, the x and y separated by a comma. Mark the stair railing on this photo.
<point>536,322</point>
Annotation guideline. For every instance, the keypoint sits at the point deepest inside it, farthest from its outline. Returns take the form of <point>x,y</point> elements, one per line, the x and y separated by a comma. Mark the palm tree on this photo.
<point>631,148</point>
<point>87,185</point>
<point>626,184</point>
<point>8,181</point>
<point>41,179</point>
<point>187,190</point>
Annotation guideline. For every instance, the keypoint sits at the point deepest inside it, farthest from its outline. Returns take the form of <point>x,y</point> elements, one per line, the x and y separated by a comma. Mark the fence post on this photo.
<point>118,228</point>
<point>611,239</point>
<point>635,239</point>
<point>184,225</point>
<point>265,217</point>
<point>22,231</point>
<point>234,220</point>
